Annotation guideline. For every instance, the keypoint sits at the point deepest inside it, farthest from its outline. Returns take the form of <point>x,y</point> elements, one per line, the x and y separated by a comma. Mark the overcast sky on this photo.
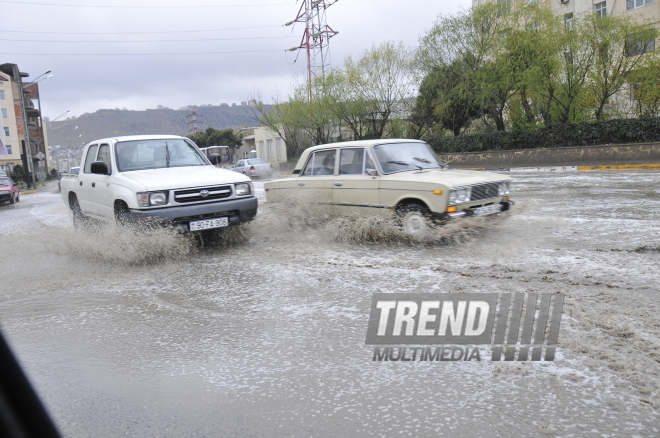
<point>143,53</point>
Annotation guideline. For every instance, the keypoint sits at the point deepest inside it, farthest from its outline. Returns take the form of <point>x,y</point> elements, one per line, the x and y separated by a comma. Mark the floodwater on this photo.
<point>262,334</point>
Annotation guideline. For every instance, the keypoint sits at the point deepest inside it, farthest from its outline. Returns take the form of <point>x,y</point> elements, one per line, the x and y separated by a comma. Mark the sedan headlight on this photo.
<point>460,195</point>
<point>243,189</point>
<point>151,199</point>
<point>4,192</point>
<point>505,188</point>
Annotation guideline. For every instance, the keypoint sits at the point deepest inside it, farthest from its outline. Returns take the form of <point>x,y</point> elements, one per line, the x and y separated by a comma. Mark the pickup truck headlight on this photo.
<point>243,189</point>
<point>151,199</point>
<point>505,188</point>
<point>460,195</point>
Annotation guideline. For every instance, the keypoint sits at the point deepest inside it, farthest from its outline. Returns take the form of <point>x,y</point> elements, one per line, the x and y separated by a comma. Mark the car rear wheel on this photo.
<point>415,221</point>
<point>79,218</point>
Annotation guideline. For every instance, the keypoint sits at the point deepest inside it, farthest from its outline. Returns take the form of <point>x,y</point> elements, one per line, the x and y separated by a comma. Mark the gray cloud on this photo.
<point>155,66</point>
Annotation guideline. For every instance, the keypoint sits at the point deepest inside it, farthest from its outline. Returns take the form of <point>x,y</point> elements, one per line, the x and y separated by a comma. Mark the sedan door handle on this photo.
<point>301,184</point>
<point>339,184</point>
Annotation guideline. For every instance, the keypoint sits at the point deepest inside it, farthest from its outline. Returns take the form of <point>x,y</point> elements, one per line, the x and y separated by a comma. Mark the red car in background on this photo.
<point>8,190</point>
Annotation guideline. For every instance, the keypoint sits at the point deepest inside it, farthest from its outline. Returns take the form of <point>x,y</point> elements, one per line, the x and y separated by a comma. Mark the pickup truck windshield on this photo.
<point>156,154</point>
<point>399,157</point>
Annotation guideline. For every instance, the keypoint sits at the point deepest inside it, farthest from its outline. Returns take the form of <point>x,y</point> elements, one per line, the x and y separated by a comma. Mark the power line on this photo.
<point>144,7</point>
<point>137,33</point>
<point>138,54</point>
<point>142,41</point>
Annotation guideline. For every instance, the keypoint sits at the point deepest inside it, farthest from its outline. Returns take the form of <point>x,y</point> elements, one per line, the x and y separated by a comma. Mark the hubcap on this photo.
<point>415,224</point>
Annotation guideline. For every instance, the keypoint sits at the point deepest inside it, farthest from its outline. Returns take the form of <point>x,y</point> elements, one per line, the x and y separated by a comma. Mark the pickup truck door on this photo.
<point>102,202</point>
<point>353,190</point>
<point>84,182</point>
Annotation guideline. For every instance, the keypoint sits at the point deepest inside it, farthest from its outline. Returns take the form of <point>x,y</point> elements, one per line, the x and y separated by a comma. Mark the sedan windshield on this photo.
<point>256,161</point>
<point>5,182</point>
<point>400,157</point>
<point>156,154</point>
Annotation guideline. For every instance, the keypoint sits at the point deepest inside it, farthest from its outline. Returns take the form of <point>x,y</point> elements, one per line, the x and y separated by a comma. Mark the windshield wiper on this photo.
<point>403,163</point>
<point>422,160</point>
<point>167,155</point>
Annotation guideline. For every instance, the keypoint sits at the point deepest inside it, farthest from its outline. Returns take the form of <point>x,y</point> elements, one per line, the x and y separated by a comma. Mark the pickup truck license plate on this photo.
<point>488,209</point>
<point>209,223</point>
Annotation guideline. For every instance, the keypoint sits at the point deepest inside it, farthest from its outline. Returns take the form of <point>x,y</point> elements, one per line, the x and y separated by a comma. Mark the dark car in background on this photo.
<point>8,190</point>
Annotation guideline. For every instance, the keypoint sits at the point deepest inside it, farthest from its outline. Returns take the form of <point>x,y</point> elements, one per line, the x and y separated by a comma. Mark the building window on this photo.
<point>2,94</point>
<point>568,21</point>
<point>4,113</point>
<point>634,4</point>
<point>281,156</point>
<point>639,44</point>
<point>6,131</point>
<point>8,147</point>
<point>601,9</point>
<point>504,7</point>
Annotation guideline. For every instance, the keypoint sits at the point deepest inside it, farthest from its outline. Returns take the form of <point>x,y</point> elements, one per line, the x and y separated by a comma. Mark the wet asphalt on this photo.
<point>263,333</point>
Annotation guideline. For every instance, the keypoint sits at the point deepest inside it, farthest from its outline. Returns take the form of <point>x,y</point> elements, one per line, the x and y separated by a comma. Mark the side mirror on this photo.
<point>372,172</point>
<point>100,168</point>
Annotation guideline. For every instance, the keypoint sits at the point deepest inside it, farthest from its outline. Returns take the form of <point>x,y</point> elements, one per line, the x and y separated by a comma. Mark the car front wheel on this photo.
<point>415,221</point>
<point>12,199</point>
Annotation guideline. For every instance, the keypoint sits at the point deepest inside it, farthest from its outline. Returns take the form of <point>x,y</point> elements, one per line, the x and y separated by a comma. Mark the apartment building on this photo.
<point>21,127</point>
<point>641,10</point>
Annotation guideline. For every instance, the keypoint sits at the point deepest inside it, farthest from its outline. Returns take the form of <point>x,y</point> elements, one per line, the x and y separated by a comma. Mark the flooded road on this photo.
<point>263,334</point>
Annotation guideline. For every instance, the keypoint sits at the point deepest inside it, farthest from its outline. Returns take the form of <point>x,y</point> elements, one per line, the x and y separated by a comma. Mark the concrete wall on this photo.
<point>641,153</point>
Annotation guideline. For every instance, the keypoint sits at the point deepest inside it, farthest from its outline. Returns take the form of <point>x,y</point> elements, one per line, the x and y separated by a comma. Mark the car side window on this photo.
<point>321,163</point>
<point>104,155</point>
<point>89,158</point>
<point>351,161</point>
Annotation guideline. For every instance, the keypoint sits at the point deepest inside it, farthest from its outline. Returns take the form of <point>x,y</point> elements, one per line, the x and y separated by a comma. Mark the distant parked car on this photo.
<point>8,190</point>
<point>253,167</point>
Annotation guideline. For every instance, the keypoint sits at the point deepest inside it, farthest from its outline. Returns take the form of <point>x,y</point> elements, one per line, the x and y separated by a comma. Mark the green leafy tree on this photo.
<point>622,46</point>
<point>217,137</point>
<point>445,99</point>
<point>18,173</point>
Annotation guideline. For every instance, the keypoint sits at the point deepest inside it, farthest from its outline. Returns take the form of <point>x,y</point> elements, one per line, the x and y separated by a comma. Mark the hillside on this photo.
<point>110,123</point>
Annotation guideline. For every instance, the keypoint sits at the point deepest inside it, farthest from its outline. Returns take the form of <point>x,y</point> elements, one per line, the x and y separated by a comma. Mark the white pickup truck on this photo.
<point>157,178</point>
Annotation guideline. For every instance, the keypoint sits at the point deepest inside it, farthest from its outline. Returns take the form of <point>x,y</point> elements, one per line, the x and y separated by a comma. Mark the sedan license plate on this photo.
<point>487,209</point>
<point>209,223</point>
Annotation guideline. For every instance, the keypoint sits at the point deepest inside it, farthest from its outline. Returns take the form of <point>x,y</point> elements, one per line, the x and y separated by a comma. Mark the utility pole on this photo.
<point>316,38</point>
<point>194,122</point>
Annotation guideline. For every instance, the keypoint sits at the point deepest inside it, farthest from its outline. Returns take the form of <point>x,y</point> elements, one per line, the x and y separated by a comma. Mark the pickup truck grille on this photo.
<point>202,194</point>
<point>484,191</point>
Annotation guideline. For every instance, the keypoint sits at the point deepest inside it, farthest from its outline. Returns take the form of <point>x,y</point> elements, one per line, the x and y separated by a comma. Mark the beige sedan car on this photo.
<point>393,176</point>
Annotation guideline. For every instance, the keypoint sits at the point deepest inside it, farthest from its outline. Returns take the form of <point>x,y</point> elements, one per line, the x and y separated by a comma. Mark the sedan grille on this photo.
<point>484,191</point>
<point>202,194</point>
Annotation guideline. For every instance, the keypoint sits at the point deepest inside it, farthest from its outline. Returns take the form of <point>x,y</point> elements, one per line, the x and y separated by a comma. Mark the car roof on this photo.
<point>136,137</point>
<point>353,143</point>
<point>362,143</point>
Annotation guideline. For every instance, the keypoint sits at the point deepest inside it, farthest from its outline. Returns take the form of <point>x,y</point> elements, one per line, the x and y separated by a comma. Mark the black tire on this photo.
<point>123,216</point>
<point>415,221</point>
<point>18,197</point>
<point>79,219</point>
<point>12,199</point>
